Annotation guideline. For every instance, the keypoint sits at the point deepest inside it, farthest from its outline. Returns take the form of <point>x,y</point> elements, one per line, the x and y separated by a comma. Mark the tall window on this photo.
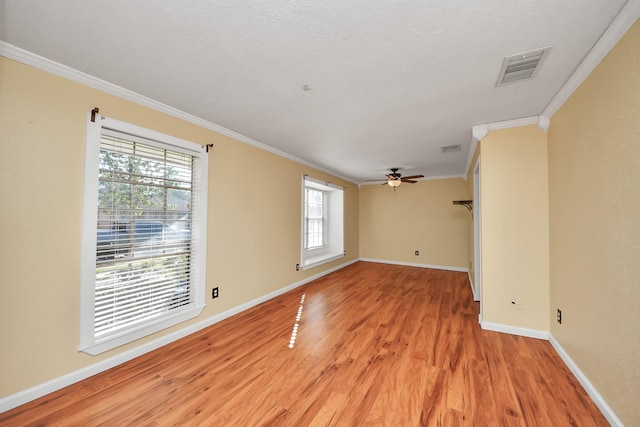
<point>322,222</point>
<point>315,219</point>
<point>143,266</point>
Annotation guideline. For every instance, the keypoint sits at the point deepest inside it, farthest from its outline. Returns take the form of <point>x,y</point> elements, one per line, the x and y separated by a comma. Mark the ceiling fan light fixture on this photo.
<point>394,182</point>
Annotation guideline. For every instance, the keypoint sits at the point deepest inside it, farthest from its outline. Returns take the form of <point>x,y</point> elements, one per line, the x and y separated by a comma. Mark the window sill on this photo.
<point>127,336</point>
<point>314,261</point>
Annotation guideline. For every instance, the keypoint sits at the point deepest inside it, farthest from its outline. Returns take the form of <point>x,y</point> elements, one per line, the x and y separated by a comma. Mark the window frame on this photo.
<point>89,343</point>
<point>333,231</point>
<point>324,219</point>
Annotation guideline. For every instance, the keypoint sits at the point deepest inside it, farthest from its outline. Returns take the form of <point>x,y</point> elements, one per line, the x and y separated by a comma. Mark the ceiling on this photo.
<point>354,87</point>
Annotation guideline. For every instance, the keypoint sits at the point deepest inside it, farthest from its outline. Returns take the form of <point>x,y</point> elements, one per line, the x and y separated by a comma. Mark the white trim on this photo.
<point>620,25</point>
<point>17,54</point>
<point>543,123</point>
<point>414,264</point>
<point>514,330</point>
<point>586,384</point>
<point>315,262</point>
<point>477,233</point>
<point>477,133</point>
<point>321,185</point>
<point>55,384</point>
<point>147,136</point>
<point>431,178</point>
<point>88,235</point>
<point>514,123</point>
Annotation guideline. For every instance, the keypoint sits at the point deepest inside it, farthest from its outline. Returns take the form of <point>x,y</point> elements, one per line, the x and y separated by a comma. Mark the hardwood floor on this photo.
<point>376,345</point>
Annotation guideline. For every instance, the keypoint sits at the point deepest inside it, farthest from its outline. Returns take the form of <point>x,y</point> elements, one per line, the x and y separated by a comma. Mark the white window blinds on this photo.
<point>314,218</point>
<point>146,237</point>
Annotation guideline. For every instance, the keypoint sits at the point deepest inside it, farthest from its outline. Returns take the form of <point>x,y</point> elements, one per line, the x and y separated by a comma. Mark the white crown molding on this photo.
<point>620,25</point>
<point>514,123</point>
<point>584,381</point>
<point>479,131</point>
<point>13,52</point>
<point>432,178</point>
<point>43,389</point>
<point>543,123</point>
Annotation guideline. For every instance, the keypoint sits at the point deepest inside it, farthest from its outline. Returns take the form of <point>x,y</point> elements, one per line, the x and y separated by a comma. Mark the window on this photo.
<point>315,218</point>
<point>322,222</point>
<point>144,230</point>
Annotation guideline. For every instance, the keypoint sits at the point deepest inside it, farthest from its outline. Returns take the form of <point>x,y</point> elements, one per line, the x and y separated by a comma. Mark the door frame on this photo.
<point>477,236</point>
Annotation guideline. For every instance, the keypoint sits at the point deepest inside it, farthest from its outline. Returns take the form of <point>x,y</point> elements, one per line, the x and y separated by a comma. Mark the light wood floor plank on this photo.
<point>376,344</point>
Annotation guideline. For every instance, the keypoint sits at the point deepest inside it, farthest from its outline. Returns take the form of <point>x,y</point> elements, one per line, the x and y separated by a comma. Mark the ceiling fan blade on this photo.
<point>413,177</point>
<point>408,180</point>
<point>391,177</point>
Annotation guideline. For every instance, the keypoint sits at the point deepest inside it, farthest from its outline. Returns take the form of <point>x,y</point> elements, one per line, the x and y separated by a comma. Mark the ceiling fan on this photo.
<point>394,178</point>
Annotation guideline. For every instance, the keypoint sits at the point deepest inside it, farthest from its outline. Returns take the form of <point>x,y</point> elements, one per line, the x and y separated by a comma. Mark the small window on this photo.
<point>143,233</point>
<point>315,219</point>
<point>322,222</point>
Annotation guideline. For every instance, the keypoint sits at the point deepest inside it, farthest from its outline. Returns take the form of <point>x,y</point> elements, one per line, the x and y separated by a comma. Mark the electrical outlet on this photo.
<point>417,253</point>
<point>297,267</point>
<point>559,316</point>
<point>214,293</point>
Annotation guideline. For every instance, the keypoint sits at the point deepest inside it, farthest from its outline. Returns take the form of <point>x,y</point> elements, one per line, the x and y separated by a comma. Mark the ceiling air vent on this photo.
<point>451,148</point>
<point>522,66</point>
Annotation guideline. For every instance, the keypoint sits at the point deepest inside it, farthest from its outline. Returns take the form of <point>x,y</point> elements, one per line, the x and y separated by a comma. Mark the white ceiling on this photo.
<point>355,87</point>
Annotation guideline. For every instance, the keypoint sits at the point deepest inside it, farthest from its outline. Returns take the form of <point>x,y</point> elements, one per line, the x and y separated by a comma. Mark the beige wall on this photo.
<point>515,227</point>
<point>594,179</point>
<point>421,216</point>
<point>254,220</point>
<point>560,230</point>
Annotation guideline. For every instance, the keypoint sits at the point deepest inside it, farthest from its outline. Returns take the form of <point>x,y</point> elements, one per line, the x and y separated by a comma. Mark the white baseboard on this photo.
<point>584,381</point>
<point>515,330</point>
<point>414,264</point>
<point>586,384</point>
<point>43,389</point>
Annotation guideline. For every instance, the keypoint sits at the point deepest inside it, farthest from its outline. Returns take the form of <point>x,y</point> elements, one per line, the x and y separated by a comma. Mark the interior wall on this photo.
<point>254,224</point>
<point>421,216</point>
<point>594,178</point>
<point>515,228</point>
